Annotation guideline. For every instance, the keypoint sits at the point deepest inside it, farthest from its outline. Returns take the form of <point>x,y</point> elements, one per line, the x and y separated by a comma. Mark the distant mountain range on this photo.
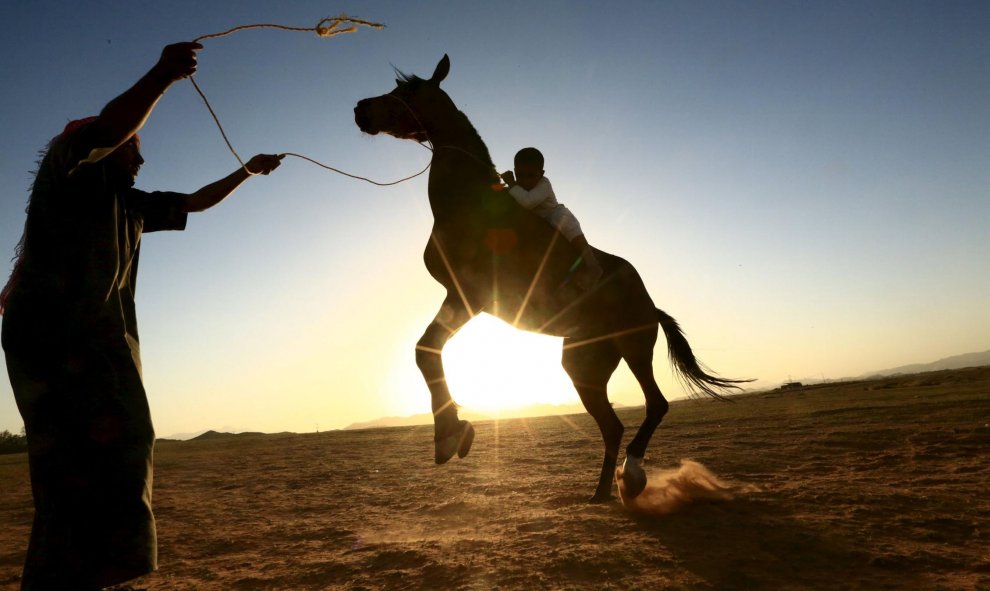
<point>219,435</point>
<point>532,410</point>
<point>205,435</point>
<point>954,362</point>
<point>536,410</point>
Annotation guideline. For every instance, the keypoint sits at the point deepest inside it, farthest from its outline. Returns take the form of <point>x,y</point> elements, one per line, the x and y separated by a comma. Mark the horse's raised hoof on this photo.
<point>633,477</point>
<point>458,442</point>
<point>467,438</point>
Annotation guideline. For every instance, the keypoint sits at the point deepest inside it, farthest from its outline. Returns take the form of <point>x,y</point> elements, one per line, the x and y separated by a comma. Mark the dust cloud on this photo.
<point>670,490</point>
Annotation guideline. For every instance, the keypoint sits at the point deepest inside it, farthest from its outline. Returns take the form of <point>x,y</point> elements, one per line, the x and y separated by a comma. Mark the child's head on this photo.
<point>529,167</point>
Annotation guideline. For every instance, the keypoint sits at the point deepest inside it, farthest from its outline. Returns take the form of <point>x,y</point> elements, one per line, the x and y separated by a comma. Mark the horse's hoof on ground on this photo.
<point>459,442</point>
<point>598,499</point>
<point>633,477</point>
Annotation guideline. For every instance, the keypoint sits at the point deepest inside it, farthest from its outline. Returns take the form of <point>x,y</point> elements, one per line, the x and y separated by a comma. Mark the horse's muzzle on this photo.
<point>362,118</point>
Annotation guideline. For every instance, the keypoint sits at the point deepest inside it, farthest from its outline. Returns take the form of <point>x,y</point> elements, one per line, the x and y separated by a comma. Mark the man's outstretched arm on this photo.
<point>216,192</point>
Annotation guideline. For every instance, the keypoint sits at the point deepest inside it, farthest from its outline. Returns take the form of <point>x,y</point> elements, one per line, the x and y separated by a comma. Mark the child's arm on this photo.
<point>535,196</point>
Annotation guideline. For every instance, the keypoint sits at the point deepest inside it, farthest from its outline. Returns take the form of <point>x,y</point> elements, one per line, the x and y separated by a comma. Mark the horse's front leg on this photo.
<point>637,350</point>
<point>590,366</point>
<point>450,435</point>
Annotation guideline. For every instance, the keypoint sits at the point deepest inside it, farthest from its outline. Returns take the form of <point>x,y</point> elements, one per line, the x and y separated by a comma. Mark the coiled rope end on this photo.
<point>330,26</point>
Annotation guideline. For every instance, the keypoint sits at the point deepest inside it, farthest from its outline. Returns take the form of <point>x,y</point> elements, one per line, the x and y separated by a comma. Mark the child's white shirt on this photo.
<point>543,202</point>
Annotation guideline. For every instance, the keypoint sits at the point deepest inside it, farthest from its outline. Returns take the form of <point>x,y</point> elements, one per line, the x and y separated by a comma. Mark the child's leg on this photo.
<point>592,271</point>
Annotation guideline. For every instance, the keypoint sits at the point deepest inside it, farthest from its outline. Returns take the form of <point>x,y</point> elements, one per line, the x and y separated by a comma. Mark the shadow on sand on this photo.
<point>751,544</point>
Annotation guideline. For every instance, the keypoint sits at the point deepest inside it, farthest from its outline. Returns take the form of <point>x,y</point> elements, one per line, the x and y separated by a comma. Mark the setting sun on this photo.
<point>493,367</point>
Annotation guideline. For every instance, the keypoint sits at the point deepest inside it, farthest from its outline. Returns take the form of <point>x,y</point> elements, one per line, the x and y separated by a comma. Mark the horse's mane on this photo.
<point>406,78</point>
<point>471,133</point>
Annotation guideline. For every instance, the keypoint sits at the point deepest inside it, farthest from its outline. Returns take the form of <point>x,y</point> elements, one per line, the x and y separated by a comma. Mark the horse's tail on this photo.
<point>688,369</point>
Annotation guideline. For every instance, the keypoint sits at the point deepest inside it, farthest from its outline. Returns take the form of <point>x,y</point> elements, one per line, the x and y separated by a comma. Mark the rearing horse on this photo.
<point>492,255</point>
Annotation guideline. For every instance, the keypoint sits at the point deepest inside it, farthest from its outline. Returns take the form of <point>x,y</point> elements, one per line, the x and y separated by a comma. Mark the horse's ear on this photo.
<point>443,68</point>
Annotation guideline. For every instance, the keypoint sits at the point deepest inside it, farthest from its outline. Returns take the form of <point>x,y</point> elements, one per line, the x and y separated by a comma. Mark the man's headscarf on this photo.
<point>70,128</point>
<point>73,126</point>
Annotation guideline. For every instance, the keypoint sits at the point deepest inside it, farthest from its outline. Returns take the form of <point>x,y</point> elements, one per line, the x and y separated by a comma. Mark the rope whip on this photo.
<point>328,27</point>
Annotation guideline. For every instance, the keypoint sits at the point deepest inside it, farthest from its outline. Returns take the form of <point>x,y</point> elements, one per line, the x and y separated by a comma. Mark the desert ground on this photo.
<point>879,484</point>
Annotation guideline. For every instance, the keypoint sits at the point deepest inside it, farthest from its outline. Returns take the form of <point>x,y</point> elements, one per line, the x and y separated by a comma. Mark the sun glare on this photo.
<point>492,367</point>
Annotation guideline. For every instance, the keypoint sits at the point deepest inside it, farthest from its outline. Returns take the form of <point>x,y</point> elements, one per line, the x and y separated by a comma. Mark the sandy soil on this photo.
<point>868,485</point>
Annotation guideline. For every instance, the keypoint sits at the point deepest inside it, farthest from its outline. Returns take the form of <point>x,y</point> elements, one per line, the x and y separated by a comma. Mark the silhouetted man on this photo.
<point>71,342</point>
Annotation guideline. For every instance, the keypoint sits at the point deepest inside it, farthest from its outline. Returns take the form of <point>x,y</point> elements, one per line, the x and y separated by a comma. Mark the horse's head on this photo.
<point>410,110</point>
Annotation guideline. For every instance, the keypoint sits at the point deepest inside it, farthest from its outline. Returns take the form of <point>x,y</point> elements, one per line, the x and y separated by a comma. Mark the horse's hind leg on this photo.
<point>637,350</point>
<point>589,367</point>
<point>450,435</point>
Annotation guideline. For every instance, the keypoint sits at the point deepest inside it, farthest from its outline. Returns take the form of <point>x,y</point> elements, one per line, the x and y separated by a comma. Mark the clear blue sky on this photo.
<point>803,185</point>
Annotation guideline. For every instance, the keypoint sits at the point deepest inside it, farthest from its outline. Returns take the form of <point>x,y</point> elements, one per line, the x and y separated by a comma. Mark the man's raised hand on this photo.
<point>178,61</point>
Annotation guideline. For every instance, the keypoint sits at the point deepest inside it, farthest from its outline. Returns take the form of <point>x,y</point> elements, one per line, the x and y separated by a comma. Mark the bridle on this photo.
<point>433,147</point>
